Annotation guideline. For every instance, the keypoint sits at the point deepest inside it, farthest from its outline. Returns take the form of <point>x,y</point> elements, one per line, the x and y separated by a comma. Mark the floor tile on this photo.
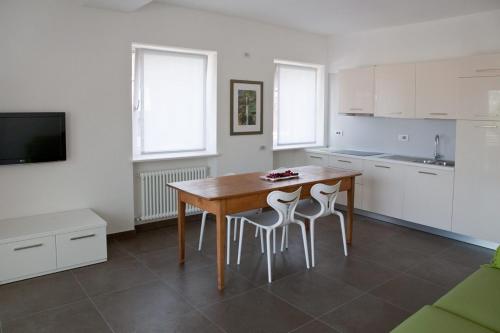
<point>256,311</point>
<point>392,256</point>
<point>409,293</point>
<point>145,241</point>
<point>421,242</point>
<point>313,293</point>
<point>442,272</point>
<point>113,275</point>
<point>25,297</point>
<point>151,307</point>
<point>361,274</point>
<point>366,314</point>
<point>315,327</point>
<point>468,255</point>
<point>79,317</point>
<point>199,286</point>
<point>166,261</point>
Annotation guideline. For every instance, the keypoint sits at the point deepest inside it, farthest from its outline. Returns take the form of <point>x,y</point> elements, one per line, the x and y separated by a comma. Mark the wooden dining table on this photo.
<point>241,192</point>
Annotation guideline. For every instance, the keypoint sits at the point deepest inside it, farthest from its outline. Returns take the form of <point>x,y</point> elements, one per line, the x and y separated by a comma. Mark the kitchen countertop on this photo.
<point>381,158</point>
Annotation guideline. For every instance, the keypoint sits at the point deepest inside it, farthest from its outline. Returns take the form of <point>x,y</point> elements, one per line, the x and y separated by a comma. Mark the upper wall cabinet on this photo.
<point>437,91</point>
<point>356,88</point>
<point>395,91</point>
<point>479,88</point>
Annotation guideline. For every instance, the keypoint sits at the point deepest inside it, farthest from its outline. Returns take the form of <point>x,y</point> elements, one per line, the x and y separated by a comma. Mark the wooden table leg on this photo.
<point>350,211</point>
<point>221,242</point>
<point>181,221</point>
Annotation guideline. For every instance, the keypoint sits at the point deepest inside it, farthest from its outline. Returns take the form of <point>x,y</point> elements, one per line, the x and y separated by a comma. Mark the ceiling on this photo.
<point>330,16</point>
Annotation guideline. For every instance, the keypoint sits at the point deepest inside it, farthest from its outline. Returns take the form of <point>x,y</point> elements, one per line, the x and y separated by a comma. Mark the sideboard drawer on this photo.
<point>27,257</point>
<point>79,247</point>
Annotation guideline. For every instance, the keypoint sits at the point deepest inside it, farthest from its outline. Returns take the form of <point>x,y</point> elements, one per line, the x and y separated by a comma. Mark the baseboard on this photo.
<point>424,228</point>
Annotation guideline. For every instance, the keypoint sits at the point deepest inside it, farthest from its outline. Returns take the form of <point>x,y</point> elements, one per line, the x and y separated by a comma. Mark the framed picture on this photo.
<point>246,114</point>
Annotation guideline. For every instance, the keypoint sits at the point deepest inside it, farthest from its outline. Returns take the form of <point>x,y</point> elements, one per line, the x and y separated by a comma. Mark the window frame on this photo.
<point>209,146</point>
<point>319,108</point>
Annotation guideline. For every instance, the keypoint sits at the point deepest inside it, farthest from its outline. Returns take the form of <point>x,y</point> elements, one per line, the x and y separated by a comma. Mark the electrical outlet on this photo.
<point>403,137</point>
<point>339,133</point>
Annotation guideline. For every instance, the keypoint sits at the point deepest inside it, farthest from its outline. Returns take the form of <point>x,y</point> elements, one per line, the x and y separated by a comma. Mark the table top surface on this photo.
<point>248,183</point>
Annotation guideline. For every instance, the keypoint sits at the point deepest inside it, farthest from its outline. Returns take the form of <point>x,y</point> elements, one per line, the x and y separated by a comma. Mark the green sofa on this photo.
<point>473,306</point>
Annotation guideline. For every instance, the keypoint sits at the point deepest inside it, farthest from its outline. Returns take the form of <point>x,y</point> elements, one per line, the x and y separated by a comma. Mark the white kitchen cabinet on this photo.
<point>479,98</point>
<point>477,180</point>
<point>437,89</point>
<point>356,90</point>
<point>395,91</point>
<point>316,159</point>
<point>428,196</point>
<point>383,188</point>
<point>480,65</point>
<point>349,164</point>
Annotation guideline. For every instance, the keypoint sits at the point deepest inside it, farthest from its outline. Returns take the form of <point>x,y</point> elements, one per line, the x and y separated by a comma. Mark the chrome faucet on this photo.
<point>437,156</point>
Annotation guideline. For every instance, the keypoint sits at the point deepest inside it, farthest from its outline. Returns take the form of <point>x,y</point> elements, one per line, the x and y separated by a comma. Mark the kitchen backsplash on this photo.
<point>381,135</point>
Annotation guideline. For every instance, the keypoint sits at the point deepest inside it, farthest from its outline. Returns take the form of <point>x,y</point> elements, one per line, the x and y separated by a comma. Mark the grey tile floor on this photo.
<point>389,274</point>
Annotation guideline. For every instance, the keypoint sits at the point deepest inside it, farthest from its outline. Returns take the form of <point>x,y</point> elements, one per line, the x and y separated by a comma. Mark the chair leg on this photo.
<point>202,229</point>
<point>235,229</point>
<point>311,231</point>
<point>261,240</point>
<point>304,240</point>
<point>342,228</point>
<point>286,237</point>
<point>268,241</point>
<point>283,232</point>
<point>274,241</point>
<point>228,240</point>
<point>256,231</point>
<point>242,226</point>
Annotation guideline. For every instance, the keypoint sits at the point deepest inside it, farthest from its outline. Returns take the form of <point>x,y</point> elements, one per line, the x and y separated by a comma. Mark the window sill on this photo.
<point>295,147</point>
<point>171,156</point>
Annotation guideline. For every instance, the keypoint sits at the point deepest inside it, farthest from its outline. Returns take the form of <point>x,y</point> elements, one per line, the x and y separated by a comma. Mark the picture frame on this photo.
<point>246,107</point>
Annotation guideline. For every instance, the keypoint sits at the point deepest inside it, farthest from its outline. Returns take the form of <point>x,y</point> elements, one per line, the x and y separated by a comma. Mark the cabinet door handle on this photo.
<point>487,115</point>
<point>319,157</point>
<point>382,166</point>
<point>439,113</point>
<point>28,247</point>
<point>82,237</point>
<point>487,126</point>
<point>428,173</point>
<point>344,161</point>
<point>482,70</point>
<point>355,109</point>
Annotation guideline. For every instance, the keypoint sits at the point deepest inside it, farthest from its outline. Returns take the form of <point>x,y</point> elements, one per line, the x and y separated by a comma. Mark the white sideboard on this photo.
<point>37,245</point>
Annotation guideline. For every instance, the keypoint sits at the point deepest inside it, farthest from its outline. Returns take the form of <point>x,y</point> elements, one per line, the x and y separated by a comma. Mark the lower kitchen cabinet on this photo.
<point>316,159</point>
<point>349,164</point>
<point>428,197</point>
<point>383,188</point>
<point>477,180</point>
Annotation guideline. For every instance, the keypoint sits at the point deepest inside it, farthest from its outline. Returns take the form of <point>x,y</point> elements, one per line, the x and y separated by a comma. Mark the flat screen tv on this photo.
<point>32,137</point>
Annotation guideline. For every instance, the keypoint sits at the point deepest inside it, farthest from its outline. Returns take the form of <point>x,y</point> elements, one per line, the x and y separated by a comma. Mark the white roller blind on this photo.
<point>173,101</point>
<point>296,104</point>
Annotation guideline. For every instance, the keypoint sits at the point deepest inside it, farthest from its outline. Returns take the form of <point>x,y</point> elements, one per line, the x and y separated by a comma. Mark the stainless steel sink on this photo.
<point>420,160</point>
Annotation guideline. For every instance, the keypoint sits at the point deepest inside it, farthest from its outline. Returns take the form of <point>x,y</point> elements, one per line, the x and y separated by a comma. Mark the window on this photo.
<point>174,103</point>
<point>298,105</point>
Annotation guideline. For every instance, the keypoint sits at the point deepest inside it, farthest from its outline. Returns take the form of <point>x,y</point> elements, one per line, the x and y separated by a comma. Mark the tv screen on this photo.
<point>32,137</point>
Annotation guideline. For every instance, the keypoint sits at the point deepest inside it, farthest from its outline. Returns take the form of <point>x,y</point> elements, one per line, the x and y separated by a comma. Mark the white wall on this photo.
<point>59,56</point>
<point>440,39</point>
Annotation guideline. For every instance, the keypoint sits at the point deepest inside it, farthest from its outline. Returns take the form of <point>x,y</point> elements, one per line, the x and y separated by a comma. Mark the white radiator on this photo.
<point>158,201</point>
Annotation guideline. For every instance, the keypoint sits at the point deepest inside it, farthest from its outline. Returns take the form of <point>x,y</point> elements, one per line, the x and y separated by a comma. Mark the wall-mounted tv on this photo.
<point>32,137</point>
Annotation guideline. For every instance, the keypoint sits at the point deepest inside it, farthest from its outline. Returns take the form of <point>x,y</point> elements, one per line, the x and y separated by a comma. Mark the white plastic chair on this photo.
<point>321,204</point>
<point>282,216</point>
<point>231,219</point>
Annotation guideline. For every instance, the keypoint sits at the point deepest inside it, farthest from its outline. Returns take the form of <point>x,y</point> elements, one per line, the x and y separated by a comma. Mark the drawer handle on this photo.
<point>28,247</point>
<point>487,115</point>
<point>428,173</point>
<point>482,70</point>
<point>395,113</point>
<point>82,237</point>
<point>344,161</point>
<point>439,113</point>
<point>382,166</point>
<point>311,156</point>
<point>355,109</point>
<point>487,126</point>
